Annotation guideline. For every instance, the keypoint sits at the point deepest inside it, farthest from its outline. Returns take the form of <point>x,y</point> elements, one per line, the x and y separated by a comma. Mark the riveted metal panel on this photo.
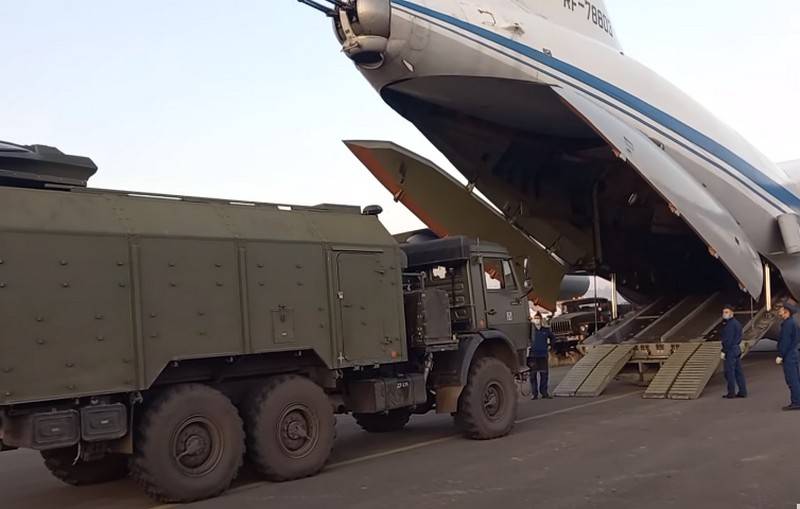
<point>283,325</point>
<point>190,300</point>
<point>183,283</point>
<point>65,315</point>
<point>111,212</point>
<point>289,280</point>
<point>370,308</point>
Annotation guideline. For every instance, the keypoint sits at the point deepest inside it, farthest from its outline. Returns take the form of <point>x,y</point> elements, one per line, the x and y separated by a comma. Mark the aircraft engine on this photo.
<point>363,27</point>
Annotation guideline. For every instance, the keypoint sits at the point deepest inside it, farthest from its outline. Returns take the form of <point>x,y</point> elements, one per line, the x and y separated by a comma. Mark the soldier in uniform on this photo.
<point>787,354</point>
<point>732,354</point>
<point>538,359</point>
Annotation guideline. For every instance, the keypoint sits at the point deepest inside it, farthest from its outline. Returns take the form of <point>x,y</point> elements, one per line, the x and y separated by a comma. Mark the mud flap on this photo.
<point>686,196</point>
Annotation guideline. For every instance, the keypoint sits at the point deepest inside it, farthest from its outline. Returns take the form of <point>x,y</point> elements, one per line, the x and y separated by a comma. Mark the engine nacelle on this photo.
<point>363,28</point>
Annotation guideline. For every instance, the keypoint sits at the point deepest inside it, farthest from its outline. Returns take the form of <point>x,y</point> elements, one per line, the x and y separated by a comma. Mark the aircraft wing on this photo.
<point>701,211</point>
<point>449,208</point>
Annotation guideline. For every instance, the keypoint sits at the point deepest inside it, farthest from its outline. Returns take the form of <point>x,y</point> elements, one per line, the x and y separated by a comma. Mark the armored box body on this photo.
<point>99,291</point>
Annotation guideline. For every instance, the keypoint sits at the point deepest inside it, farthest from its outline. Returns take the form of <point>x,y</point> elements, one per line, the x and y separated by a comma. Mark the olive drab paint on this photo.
<point>101,290</point>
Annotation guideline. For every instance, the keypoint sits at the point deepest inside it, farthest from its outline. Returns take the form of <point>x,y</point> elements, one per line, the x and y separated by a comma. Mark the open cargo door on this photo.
<point>686,196</point>
<point>449,208</point>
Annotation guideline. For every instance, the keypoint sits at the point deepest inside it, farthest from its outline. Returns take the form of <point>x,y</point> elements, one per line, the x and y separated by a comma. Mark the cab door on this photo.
<point>506,310</point>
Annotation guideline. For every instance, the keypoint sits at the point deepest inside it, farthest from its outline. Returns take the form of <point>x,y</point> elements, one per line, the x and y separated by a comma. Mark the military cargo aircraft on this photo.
<point>597,162</point>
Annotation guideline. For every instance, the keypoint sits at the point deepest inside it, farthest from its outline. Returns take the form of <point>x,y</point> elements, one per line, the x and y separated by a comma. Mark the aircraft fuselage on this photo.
<point>483,80</point>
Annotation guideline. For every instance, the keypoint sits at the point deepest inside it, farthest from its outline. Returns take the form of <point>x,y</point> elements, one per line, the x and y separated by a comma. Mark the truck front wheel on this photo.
<point>290,428</point>
<point>62,463</point>
<point>487,407</point>
<point>189,444</point>
<point>393,420</point>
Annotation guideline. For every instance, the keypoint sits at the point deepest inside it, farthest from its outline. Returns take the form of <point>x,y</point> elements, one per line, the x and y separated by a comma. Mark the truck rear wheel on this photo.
<point>487,407</point>
<point>290,428</point>
<point>393,420</point>
<point>61,463</point>
<point>189,444</point>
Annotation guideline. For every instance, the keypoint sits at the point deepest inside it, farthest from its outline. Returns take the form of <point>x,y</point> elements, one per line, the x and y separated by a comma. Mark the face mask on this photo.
<point>537,323</point>
<point>727,316</point>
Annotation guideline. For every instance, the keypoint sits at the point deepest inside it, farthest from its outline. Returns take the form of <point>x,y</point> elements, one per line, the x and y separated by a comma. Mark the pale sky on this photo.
<point>250,102</point>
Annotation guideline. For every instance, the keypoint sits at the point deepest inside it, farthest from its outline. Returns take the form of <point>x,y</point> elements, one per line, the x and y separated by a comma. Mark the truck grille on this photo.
<point>561,326</point>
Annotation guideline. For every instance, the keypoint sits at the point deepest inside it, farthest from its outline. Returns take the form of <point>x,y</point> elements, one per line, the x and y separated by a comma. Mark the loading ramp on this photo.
<point>686,372</point>
<point>678,336</point>
<point>696,373</point>
<point>592,374</point>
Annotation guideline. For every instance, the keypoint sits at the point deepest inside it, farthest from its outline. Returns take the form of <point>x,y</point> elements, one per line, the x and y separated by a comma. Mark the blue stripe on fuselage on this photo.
<point>774,189</point>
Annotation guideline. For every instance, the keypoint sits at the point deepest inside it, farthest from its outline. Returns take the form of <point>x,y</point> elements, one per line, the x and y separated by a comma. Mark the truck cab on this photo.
<point>485,295</point>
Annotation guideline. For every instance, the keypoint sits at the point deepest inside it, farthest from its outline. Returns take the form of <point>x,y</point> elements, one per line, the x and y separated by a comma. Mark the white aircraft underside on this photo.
<point>594,156</point>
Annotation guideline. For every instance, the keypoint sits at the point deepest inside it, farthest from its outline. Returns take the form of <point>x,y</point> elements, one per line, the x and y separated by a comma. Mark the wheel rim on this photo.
<point>298,431</point>
<point>493,400</point>
<point>197,446</point>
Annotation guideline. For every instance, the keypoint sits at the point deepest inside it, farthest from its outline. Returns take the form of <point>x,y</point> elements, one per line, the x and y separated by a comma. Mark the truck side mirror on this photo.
<point>526,278</point>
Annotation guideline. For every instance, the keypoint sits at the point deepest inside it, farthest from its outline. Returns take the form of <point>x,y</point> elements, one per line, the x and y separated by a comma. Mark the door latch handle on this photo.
<point>491,312</point>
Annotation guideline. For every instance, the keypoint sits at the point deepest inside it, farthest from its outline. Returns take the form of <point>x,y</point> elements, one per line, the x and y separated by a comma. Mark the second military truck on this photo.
<point>167,337</point>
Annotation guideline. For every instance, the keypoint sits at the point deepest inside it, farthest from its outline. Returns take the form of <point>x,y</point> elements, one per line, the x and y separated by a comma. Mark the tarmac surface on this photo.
<point>616,451</point>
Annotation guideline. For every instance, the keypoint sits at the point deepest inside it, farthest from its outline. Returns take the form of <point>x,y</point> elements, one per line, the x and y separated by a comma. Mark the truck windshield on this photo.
<point>575,307</point>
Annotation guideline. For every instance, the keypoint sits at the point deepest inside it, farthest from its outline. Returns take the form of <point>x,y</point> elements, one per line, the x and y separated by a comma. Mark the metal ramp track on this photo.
<point>592,374</point>
<point>667,321</point>
<point>606,370</point>
<point>581,370</point>
<point>662,383</point>
<point>632,324</point>
<point>698,370</point>
<point>682,330</point>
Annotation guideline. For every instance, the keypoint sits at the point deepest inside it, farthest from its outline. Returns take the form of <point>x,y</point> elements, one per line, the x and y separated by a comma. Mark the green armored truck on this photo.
<point>167,337</point>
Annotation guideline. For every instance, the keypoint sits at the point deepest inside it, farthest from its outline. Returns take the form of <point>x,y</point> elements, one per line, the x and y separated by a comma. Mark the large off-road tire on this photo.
<point>189,444</point>
<point>61,463</point>
<point>393,420</point>
<point>290,428</point>
<point>487,407</point>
